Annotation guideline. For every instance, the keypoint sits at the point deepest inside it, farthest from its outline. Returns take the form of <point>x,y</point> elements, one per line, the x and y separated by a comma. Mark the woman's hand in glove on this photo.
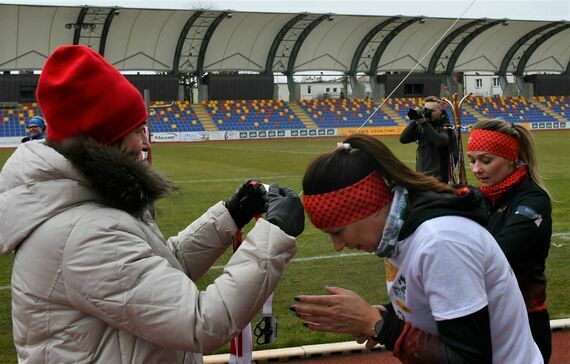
<point>247,201</point>
<point>284,209</point>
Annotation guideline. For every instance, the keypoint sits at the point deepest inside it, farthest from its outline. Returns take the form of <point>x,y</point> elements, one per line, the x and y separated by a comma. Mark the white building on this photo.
<point>313,90</point>
<point>483,83</point>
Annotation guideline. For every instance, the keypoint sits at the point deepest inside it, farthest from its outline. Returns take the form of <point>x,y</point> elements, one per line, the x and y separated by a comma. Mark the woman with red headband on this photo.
<point>502,158</point>
<point>454,298</point>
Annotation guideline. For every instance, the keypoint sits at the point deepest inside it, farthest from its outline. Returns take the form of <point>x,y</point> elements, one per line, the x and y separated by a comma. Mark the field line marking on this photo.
<point>271,150</point>
<point>332,256</point>
<point>289,151</point>
<point>318,257</point>
<point>306,259</point>
<point>268,178</point>
<point>564,236</point>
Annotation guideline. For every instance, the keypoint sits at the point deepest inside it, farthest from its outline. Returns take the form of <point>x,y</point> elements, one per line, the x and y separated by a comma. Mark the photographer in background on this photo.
<point>430,128</point>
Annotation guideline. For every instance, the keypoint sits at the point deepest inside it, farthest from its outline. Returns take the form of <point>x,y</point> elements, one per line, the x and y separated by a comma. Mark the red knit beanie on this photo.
<point>79,92</point>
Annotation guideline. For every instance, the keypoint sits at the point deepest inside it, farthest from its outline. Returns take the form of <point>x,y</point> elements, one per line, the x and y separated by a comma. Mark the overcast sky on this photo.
<point>511,9</point>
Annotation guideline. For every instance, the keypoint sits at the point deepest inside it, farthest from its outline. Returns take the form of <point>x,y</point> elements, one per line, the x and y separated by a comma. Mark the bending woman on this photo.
<point>454,298</point>
<point>502,158</point>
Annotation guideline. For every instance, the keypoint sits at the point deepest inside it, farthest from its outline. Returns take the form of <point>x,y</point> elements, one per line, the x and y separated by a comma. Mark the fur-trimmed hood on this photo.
<point>41,180</point>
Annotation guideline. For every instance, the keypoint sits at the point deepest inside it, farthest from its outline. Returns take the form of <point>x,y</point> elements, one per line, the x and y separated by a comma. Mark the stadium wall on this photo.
<point>203,136</point>
<point>239,86</point>
<point>22,88</point>
<point>417,85</point>
<point>550,85</point>
<point>162,87</point>
<point>18,88</point>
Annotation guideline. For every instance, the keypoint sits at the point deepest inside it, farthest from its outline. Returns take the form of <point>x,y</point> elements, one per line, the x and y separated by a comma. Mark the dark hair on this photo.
<point>526,152</point>
<point>344,167</point>
<point>432,99</point>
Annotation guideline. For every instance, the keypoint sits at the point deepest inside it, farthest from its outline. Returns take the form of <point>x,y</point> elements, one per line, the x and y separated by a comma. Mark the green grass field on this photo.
<point>209,172</point>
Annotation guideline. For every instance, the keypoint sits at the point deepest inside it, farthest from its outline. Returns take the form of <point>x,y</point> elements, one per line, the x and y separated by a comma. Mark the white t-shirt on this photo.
<point>451,267</point>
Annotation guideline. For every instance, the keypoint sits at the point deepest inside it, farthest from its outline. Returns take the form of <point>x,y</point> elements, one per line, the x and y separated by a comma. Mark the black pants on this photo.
<point>540,328</point>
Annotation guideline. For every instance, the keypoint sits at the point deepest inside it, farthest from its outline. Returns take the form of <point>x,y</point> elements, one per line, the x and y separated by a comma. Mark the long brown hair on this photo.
<point>343,167</point>
<point>526,152</point>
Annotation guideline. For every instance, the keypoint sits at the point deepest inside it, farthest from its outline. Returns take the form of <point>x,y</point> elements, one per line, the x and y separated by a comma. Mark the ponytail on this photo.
<point>344,167</point>
<point>393,170</point>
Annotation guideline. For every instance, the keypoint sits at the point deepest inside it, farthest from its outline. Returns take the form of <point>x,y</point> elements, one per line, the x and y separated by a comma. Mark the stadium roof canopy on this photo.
<point>196,41</point>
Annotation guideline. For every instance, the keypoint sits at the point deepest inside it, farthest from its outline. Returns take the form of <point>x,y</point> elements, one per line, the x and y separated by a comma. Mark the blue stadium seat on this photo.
<point>252,115</point>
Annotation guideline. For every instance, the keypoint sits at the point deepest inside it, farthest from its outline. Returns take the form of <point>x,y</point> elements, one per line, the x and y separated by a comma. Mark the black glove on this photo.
<point>393,327</point>
<point>285,210</point>
<point>248,200</point>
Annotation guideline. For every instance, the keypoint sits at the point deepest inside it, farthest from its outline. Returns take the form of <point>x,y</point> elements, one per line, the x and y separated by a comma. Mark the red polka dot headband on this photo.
<point>349,204</point>
<point>493,142</point>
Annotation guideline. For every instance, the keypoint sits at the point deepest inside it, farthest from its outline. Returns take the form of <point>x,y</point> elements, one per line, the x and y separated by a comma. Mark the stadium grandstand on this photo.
<point>177,116</point>
<point>212,74</point>
<point>252,115</point>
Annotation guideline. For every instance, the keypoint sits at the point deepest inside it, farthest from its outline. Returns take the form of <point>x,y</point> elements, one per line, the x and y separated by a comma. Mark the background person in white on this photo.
<point>454,298</point>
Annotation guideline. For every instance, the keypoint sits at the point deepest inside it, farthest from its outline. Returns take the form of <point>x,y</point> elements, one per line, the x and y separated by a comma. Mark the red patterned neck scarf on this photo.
<point>349,204</point>
<point>494,192</point>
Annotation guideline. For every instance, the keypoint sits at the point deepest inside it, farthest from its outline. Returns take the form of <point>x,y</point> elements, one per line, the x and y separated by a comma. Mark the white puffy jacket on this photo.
<point>95,284</point>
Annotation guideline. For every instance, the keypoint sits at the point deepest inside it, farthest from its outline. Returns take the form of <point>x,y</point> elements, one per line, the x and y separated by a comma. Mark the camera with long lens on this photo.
<point>416,114</point>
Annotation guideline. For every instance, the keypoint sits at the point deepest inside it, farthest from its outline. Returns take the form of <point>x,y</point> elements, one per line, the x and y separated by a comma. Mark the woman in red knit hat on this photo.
<point>502,158</point>
<point>93,279</point>
<point>453,296</point>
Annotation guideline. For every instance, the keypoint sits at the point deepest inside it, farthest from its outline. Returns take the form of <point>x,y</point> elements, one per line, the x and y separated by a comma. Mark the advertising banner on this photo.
<point>296,133</point>
<point>201,136</point>
<point>380,130</point>
<point>194,136</point>
<point>550,125</point>
<point>10,142</point>
<point>165,137</point>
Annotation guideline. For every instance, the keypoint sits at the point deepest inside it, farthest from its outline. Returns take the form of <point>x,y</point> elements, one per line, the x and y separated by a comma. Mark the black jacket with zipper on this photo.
<point>521,222</point>
<point>432,136</point>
